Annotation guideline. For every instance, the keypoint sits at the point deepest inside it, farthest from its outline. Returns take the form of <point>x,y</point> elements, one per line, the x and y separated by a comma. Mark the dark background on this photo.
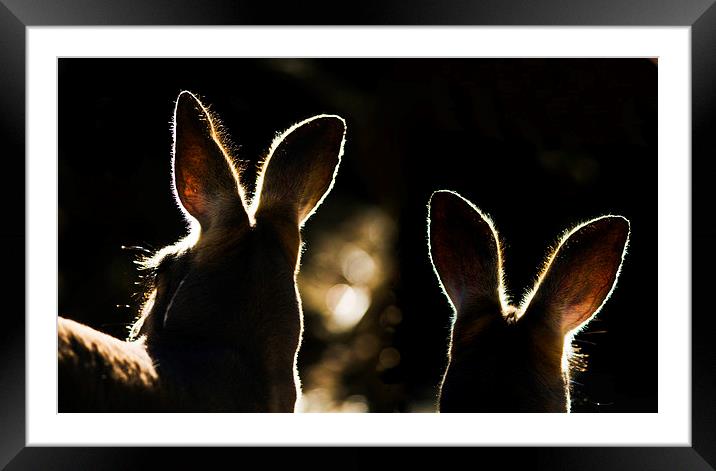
<point>538,144</point>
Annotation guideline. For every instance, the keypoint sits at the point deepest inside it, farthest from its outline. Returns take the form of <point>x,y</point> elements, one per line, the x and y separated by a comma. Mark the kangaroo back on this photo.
<point>103,371</point>
<point>515,358</point>
<point>222,322</point>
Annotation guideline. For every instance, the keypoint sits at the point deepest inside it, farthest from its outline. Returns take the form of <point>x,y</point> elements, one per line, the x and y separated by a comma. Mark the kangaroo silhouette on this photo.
<point>506,358</point>
<point>222,322</point>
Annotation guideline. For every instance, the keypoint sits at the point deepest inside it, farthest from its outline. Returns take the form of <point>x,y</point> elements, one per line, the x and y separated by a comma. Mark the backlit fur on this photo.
<point>221,322</point>
<point>516,358</point>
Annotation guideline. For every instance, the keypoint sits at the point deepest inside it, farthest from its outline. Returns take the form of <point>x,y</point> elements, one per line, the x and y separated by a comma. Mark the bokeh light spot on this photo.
<point>389,358</point>
<point>357,265</point>
<point>347,304</point>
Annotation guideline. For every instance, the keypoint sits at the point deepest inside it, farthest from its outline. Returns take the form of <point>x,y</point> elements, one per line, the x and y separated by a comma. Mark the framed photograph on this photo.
<point>497,220</point>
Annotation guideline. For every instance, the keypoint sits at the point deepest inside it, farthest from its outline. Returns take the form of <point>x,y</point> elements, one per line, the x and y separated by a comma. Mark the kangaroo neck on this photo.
<point>204,376</point>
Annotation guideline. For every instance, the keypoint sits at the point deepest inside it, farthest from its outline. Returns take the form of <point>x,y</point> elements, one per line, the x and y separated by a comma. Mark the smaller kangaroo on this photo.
<point>506,358</point>
<point>222,322</point>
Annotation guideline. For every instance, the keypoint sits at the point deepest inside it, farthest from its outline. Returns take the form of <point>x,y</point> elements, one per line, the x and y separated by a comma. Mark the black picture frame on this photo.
<point>17,15</point>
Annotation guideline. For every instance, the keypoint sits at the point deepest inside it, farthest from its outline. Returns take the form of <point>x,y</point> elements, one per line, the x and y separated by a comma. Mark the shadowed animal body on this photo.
<point>506,358</point>
<point>222,322</point>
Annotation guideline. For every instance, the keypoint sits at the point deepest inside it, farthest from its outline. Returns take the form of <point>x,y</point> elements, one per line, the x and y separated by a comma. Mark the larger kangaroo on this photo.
<point>222,323</point>
<point>506,358</point>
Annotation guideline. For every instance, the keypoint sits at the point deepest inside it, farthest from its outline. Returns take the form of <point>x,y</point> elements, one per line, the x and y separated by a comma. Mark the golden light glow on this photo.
<point>320,400</point>
<point>345,287</point>
<point>347,304</point>
<point>357,265</point>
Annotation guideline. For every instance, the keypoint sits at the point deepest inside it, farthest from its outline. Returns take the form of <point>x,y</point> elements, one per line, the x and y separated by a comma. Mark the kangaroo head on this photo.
<point>229,286</point>
<point>506,358</point>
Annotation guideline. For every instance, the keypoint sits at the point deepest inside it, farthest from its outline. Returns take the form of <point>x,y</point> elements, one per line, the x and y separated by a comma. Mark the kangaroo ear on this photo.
<point>300,167</point>
<point>465,252</point>
<point>580,275</point>
<point>204,179</point>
